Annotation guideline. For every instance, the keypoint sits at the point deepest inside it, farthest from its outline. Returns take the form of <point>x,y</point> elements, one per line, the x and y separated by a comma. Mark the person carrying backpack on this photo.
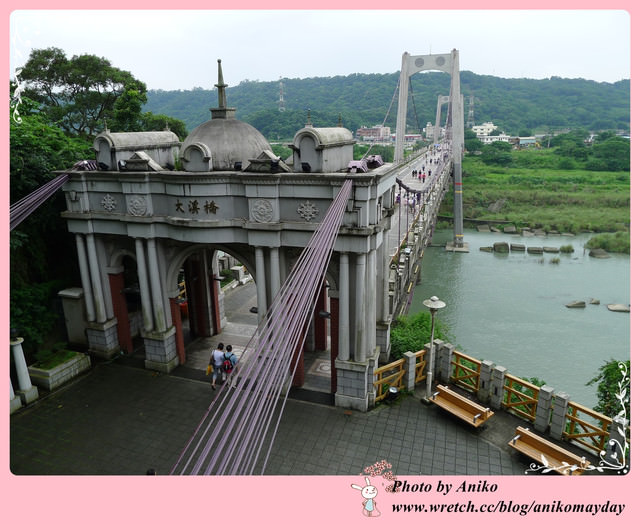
<point>229,362</point>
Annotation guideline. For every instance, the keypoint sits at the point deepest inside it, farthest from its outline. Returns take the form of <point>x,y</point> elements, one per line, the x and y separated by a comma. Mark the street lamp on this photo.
<point>434,304</point>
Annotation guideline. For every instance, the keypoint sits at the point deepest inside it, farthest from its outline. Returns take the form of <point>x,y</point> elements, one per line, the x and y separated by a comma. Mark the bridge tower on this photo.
<point>448,63</point>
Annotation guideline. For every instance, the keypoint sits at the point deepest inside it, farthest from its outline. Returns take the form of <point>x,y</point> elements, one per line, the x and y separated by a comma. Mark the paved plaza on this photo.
<point>122,419</point>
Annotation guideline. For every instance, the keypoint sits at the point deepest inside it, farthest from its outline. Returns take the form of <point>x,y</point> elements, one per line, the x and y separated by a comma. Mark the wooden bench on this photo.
<point>547,453</point>
<point>460,406</point>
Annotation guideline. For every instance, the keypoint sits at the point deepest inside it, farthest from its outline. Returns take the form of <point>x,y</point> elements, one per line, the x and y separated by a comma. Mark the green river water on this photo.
<point>510,308</point>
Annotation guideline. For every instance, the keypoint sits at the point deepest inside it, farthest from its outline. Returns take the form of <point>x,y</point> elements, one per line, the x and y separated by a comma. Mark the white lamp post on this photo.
<point>434,304</point>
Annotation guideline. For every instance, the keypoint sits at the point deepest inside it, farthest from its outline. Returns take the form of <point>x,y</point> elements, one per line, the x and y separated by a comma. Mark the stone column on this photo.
<point>335,338</point>
<point>261,284</point>
<point>409,367</point>
<point>96,281</point>
<point>560,410</point>
<point>274,271</point>
<point>371,303</point>
<point>359,323</point>
<point>343,344</point>
<point>497,386</point>
<point>484,390</point>
<point>156,288</point>
<point>543,409</point>
<point>143,282</point>
<point>85,278</point>
<point>27,391</point>
<point>444,354</point>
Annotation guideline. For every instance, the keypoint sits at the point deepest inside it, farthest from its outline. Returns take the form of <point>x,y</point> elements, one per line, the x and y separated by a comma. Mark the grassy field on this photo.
<point>543,196</point>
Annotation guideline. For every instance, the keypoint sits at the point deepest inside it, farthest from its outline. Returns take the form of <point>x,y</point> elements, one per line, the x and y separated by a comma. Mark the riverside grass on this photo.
<point>545,197</point>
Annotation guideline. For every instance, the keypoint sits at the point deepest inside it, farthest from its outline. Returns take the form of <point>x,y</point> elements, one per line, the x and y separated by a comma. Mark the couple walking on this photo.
<point>222,362</point>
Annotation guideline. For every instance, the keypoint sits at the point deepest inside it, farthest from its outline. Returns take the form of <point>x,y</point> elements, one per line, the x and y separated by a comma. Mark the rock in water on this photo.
<point>619,307</point>
<point>576,304</point>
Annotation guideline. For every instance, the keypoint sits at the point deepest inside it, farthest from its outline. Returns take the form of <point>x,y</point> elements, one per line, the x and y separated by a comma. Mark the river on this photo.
<point>510,308</point>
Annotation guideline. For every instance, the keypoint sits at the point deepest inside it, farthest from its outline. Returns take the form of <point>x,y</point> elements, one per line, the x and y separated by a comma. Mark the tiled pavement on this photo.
<point>122,419</point>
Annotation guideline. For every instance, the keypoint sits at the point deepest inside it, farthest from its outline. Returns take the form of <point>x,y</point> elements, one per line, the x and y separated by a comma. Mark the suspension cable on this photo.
<point>28,204</point>
<point>229,439</point>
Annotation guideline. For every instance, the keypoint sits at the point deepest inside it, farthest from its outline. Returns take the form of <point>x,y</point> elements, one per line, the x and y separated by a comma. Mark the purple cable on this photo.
<point>263,377</point>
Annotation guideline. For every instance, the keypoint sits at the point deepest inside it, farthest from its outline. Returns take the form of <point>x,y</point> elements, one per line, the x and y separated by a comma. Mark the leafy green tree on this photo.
<point>472,145</point>
<point>127,109</point>
<point>614,154</point>
<point>78,94</point>
<point>152,122</point>
<point>614,389</point>
<point>497,154</point>
<point>38,270</point>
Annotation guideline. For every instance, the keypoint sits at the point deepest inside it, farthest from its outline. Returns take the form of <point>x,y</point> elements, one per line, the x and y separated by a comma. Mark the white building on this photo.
<point>484,129</point>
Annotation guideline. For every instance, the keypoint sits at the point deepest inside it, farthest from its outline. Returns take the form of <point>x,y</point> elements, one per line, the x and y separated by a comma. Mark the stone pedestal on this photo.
<point>27,392</point>
<point>160,351</point>
<point>74,315</point>
<point>103,338</point>
<point>15,403</point>
<point>352,387</point>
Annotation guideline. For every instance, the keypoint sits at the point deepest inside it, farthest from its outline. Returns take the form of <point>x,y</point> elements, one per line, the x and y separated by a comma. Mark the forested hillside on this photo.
<point>365,100</point>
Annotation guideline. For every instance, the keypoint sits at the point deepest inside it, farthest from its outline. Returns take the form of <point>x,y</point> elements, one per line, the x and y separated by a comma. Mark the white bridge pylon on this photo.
<point>447,63</point>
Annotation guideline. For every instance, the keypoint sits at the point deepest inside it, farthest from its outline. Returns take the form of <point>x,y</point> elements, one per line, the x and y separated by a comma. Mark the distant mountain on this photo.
<point>366,99</point>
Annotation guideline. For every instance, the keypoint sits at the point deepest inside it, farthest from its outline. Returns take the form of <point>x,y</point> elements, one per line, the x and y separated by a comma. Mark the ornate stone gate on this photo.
<point>156,208</point>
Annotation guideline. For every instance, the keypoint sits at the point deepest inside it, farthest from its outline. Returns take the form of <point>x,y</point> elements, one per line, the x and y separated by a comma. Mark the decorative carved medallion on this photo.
<point>108,202</point>
<point>138,206</point>
<point>307,210</point>
<point>262,211</point>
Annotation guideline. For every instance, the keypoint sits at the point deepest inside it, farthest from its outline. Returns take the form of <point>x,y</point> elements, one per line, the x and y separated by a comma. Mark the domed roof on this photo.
<point>222,143</point>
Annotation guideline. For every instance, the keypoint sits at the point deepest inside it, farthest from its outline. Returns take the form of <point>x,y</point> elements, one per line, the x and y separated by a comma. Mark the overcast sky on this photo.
<point>178,49</point>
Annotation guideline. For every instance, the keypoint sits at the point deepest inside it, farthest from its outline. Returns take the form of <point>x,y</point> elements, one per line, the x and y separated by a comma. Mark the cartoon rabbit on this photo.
<point>369,493</point>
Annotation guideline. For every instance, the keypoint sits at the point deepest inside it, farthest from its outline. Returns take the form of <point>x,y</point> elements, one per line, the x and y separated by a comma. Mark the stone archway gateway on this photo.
<point>169,206</point>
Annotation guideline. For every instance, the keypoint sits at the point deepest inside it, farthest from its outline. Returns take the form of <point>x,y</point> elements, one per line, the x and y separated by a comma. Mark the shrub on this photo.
<point>413,332</point>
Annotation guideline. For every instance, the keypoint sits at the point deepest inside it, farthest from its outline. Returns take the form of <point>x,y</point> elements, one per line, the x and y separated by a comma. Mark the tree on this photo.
<point>38,269</point>
<point>152,122</point>
<point>497,153</point>
<point>79,94</point>
<point>613,154</point>
<point>614,388</point>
